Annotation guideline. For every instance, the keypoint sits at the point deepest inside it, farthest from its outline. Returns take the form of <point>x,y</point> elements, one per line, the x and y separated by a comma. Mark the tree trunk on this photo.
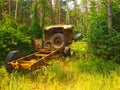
<point>16,10</point>
<point>59,5</point>
<point>10,7</point>
<point>67,13</point>
<point>3,8</point>
<point>20,12</point>
<point>109,15</point>
<point>51,12</point>
<point>58,12</point>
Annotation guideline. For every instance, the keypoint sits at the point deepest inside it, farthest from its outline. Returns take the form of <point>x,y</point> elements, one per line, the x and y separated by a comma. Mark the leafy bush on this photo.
<point>23,28</point>
<point>8,22</point>
<point>12,39</point>
<point>103,44</point>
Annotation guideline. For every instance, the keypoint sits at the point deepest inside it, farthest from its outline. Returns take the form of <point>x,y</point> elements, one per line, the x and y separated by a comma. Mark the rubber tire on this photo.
<point>60,36</point>
<point>67,51</point>
<point>12,56</point>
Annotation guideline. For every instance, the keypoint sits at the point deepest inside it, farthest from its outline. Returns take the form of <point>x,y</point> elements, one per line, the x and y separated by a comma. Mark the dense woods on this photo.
<point>104,34</point>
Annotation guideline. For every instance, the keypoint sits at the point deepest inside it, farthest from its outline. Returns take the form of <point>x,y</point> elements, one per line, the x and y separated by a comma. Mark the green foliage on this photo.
<point>103,44</point>
<point>116,14</point>
<point>96,65</point>
<point>8,22</point>
<point>35,29</point>
<point>0,2</point>
<point>12,39</point>
<point>23,28</point>
<point>55,71</point>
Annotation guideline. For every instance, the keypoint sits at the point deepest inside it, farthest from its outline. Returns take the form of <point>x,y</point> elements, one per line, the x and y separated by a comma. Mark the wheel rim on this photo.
<point>57,41</point>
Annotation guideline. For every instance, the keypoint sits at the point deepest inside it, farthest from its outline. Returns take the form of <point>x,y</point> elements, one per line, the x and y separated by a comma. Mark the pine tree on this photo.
<point>35,28</point>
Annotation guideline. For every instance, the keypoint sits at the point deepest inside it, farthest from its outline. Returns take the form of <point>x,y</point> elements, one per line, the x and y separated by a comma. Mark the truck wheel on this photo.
<point>58,41</point>
<point>11,56</point>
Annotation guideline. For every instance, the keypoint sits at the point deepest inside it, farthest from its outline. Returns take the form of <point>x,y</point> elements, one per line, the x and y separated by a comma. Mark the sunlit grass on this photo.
<point>79,81</point>
<point>83,71</point>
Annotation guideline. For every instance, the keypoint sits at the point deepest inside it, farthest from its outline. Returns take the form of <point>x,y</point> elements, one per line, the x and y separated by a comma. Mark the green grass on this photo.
<point>83,71</point>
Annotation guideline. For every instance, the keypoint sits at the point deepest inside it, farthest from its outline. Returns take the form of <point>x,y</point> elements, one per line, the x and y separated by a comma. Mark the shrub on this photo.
<point>23,28</point>
<point>12,39</point>
<point>103,44</point>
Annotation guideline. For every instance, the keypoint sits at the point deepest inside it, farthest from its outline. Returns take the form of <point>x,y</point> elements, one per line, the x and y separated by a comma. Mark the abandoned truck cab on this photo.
<point>59,35</point>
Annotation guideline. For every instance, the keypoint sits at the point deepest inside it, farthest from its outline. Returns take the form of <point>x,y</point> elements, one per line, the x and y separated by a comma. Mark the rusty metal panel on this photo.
<point>66,30</point>
<point>47,36</point>
<point>58,26</point>
<point>69,36</point>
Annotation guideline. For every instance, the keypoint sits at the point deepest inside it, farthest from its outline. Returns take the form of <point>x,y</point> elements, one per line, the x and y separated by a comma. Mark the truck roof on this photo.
<point>58,26</point>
